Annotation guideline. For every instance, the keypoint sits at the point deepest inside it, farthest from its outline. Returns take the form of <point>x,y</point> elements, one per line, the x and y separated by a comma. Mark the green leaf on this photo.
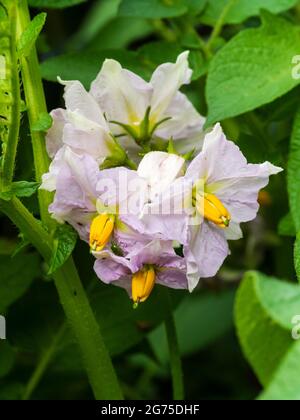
<point>285,383</point>
<point>286,226</point>
<point>100,14</point>
<point>65,239</point>
<point>85,66</point>
<point>246,73</point>
<point>153,9</point>
<point>20,189</point>
<point>243,9</point>
<point>55,4</point>
<point>293,174</point>
<point>265,311</point>
<point>129,30</point>
<point>43,123</point>
<point>17,275</point>
<point>196,6</point>
<point>30,35</point>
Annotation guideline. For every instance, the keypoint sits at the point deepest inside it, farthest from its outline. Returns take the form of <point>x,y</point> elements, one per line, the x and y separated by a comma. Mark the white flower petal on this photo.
<point>54,137</point>
<point>123,95</point>
<point>160,169</point>
<point>78,100</point>
<point>166,81</point>
<point>233,232</point>
<point>206,253</point>
<point>227,174</point>
<point>49,180</point>
<point>185,121</point>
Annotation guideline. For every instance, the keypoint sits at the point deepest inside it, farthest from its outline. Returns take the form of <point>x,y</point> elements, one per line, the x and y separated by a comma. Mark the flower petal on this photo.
<point>160,169</point>
<point>155,253</point>
<point>173,273</point>
<point>54,137</point>
<point>205,253</point>
<point>166,81</point>
<point>78,100</point>
<point>75,197</point>
<point>110,268</point>
<point>122,95</point>
<point>227,174</point>
<point>94,141</point>
<point>166,217</point>
<point>185,123</point>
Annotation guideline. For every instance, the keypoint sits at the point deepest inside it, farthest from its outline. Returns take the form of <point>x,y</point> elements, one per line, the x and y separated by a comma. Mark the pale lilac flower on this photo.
<point>81,126</point>
<point>139,270</point>
<point>75,190</point>
<point>145,109</point>
<point>102,205</point>
<point>218,192</point>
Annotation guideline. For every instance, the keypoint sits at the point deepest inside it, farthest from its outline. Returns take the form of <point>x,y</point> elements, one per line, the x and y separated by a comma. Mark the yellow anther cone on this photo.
<point>101,230</point>
<point>142,285</point>
<point>213,210</point>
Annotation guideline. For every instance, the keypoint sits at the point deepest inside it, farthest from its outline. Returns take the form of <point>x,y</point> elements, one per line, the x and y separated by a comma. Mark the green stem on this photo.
<point>29,225</point>
<point>72,295</point>
<point>163,30</point>
<point>13,136</point>
<point>36,104</point>
<point>220,23</point>
<point>130,164</point>
<point>43,364</point>
<point>203,45</point>
<point>73,298</point>
<point>175,359</point>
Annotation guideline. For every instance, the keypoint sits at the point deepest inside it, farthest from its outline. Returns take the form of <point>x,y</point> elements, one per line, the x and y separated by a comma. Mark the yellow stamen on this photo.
<point>213,210</point>
<point>142,285</point>
<point>101,230</point>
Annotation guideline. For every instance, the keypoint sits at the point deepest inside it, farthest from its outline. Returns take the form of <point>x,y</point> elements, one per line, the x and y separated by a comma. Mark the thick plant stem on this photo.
<point>13,137</point>
<point>175,359</point>
<point>72,295</point>
<point>79,314</point>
